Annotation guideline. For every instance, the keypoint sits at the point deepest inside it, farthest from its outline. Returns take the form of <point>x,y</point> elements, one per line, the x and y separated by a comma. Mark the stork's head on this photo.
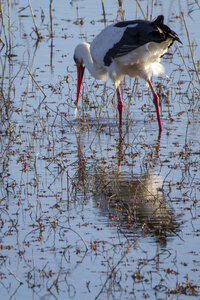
<point>80,70</point>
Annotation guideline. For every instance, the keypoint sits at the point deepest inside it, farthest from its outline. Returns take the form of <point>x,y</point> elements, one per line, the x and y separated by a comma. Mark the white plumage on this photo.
<point>105,40</point>
<point>130,48</point>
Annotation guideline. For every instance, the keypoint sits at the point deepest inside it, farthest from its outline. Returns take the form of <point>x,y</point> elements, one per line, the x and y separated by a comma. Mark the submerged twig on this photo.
<point>73,230</point>
<point>14,275</point>
<point>37,83</point>
<point>111,274</point>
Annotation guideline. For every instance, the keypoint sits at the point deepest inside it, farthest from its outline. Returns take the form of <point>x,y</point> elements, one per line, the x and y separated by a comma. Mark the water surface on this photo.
<point>84,213</point>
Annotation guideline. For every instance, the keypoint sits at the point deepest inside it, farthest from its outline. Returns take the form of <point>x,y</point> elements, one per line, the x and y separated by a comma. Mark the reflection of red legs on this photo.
<point>120,107</point>
<point>158,143</point>
<point>120,150</point>
<point>156,103</point>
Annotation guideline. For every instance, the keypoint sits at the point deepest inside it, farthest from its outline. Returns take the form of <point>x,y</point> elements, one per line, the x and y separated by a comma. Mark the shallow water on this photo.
<point>85,214</point>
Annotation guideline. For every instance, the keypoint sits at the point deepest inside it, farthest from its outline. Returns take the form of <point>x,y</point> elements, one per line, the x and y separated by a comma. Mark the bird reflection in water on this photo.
<point>132,202</point>
<point>135,204</point>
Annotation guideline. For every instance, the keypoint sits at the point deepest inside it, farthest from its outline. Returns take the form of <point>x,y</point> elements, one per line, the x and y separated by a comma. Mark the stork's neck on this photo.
<point>95,70</point>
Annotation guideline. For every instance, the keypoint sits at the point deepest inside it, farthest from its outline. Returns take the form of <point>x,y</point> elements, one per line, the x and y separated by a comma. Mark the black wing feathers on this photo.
<point>139,35</point>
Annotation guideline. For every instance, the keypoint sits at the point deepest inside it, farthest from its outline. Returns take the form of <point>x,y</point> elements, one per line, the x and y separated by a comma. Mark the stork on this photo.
<point>132,48</point>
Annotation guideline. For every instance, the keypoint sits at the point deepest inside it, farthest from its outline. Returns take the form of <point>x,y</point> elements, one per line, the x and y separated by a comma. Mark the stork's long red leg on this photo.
<point>156,103</point>
<point>120,106</point>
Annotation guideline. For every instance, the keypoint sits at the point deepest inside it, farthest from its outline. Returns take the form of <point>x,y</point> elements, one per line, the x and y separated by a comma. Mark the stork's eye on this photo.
<point>75,59</point>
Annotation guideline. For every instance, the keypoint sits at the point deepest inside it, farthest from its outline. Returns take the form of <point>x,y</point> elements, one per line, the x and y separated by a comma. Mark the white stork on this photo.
<point>129,48</point>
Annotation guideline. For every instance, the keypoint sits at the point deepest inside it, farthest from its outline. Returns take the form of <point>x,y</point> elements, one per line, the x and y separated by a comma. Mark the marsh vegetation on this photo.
<point>84,213</point>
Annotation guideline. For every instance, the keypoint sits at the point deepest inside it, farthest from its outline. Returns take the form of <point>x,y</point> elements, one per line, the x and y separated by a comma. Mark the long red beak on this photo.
<point>80,72</point>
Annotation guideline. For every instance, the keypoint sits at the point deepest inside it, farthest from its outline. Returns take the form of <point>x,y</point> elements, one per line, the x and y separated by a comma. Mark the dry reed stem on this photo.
<point>2,43</point>
<point>185,64</point>
<point>190,46</point>
<point>148,12</point>
<point>120,8</point>
<point>9,37</point>
<point>142,11</point>
<point>151,12</point>
<point>51,33</point>
<point>51,19</point>
<point>36,30</point>
<point>104,13</point>
<point>3,25</point>
<point>197,3</point>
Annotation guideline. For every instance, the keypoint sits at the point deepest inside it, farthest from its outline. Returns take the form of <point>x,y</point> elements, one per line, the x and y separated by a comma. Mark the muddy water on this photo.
<point>86,214</point>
